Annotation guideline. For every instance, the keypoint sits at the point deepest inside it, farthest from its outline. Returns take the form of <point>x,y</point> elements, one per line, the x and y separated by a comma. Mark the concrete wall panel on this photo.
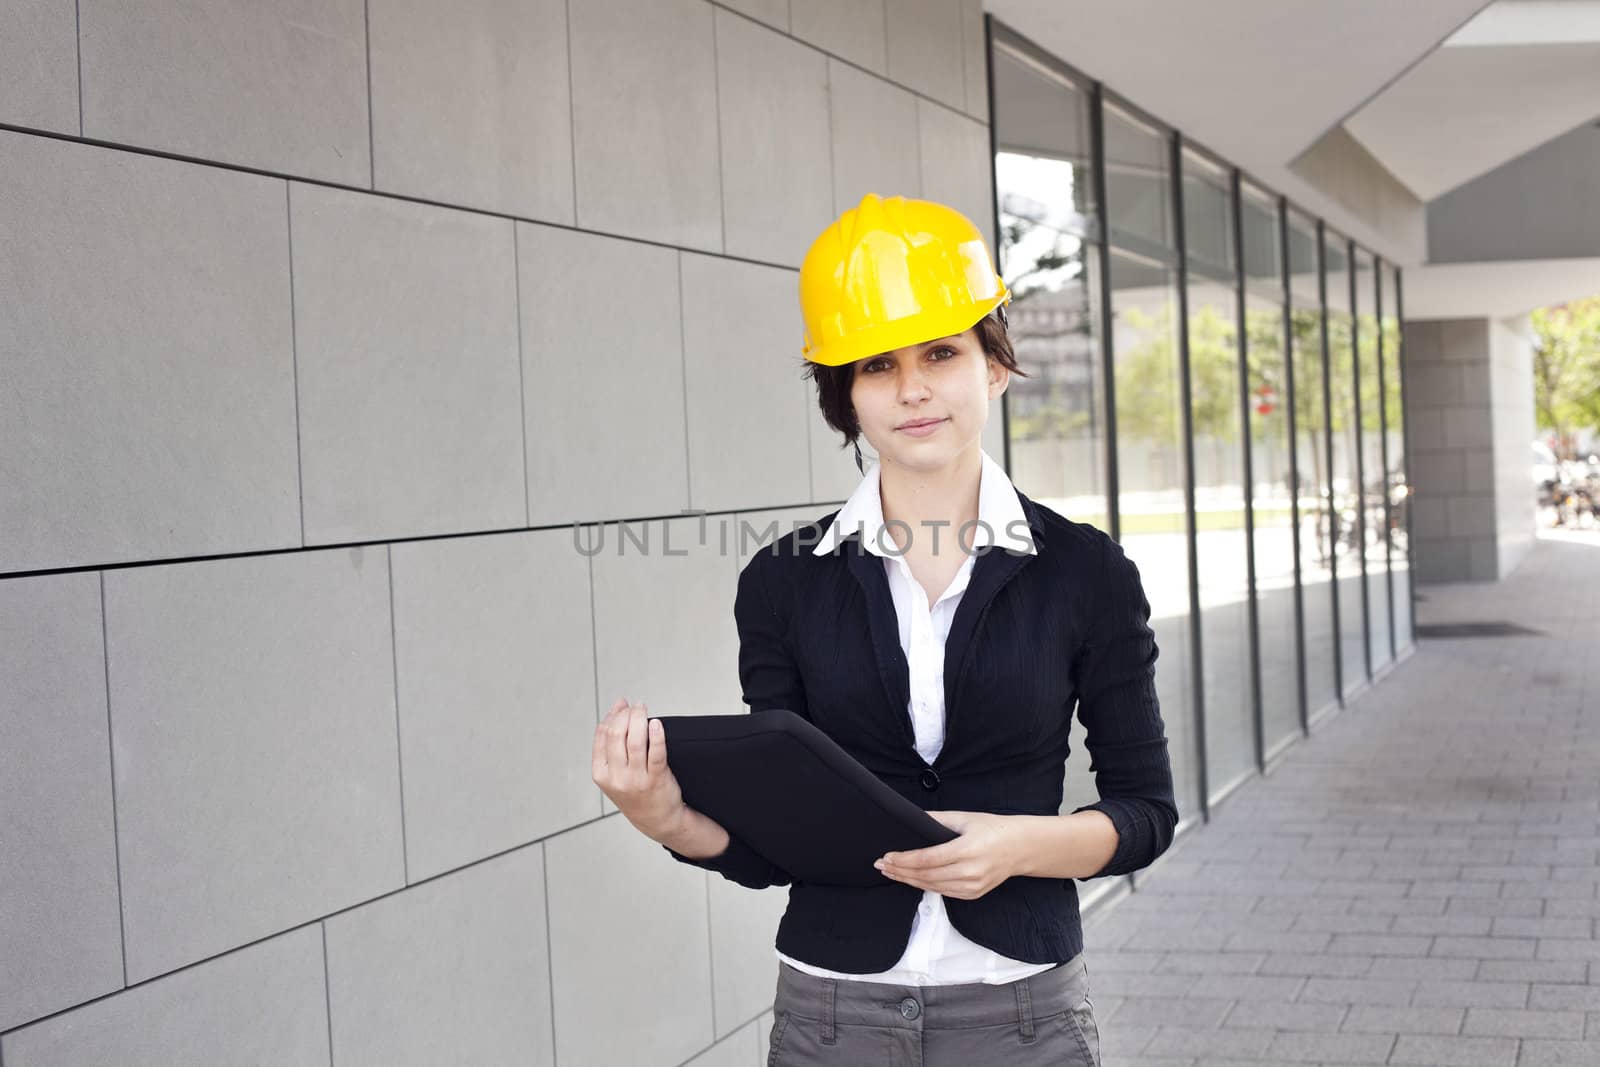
<point>644,115</point>
<point>60,924</point>
<point>470,104</point>
<point>149,410</point>
<point>494,660</point>
<point>38,65</point>
<point>277,85</point>
<point>777,166</point>
<point>455,970</point>
<point>253,733</point>
<point>406,342</point>
<point>265,1003</point>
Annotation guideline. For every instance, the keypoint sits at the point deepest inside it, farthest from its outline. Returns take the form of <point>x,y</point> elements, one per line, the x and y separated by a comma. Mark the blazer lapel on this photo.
<point>990,572</point>
<point>884,626</point>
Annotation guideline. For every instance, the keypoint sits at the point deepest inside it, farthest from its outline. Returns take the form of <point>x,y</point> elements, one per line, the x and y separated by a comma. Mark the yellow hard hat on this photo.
<point>890,273</point>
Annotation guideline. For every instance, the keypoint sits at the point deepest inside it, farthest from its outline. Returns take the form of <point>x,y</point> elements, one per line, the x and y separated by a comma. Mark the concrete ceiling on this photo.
<point>1500,289</point>
<point>1520,74</point>
<point>1258,81</point>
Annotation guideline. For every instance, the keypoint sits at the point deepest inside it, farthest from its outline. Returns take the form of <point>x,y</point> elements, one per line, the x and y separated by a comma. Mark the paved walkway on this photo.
<point>1416,884</point>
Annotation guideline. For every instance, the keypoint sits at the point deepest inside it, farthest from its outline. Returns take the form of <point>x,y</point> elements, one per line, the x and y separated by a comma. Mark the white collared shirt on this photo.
<point>936,953</point>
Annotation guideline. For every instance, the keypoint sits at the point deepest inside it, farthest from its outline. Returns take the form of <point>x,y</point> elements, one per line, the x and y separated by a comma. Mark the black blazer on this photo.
<point>1033,635</point>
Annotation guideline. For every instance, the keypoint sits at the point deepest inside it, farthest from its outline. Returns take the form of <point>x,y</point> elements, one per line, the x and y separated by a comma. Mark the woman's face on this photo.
<point>945,384</point>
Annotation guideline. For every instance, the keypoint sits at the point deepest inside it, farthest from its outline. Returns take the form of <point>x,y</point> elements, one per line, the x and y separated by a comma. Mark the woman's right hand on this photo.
<point>630,767</point>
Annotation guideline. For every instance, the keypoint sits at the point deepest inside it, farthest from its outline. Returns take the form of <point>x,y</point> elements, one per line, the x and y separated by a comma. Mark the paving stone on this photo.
<point>1445,925</point>
<point>1211,962</point>
<point>1522,1022</point>
<point>1175,1040</point>
<point>1372,1018</point>
<point>1434,1050</point>
<point>1257,1014</point>
<point>1470,994</point>
<point>1310,963</point>
<point>1358,991</point>
<point>1330,1048</point>
<point>1424,967</point>
<point>1541,1053</point>
<point>1197,1012</point>
<point>1378,945</point>
<point>1486,948</point>
<point>1247,987</point>
<point>1555,971</point>
<point>1564,997</point>
<point>1568,949</point>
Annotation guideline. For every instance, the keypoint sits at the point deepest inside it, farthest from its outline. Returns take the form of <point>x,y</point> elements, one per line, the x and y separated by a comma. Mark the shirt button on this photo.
<point>927,909</point>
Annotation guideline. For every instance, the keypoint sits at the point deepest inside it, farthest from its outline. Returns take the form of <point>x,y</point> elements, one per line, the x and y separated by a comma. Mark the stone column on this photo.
<point>1470,418</point>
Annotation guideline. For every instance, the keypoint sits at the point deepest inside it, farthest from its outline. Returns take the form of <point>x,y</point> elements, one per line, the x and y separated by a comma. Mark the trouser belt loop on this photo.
<point>1024,1009</point>
<point>829,985</point>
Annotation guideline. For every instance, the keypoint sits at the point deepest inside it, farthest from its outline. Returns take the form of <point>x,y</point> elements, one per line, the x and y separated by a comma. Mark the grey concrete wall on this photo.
<point>310,365</point>
<point>1540,205</point>
<point>1469,412</point>
<point>1340,166</point>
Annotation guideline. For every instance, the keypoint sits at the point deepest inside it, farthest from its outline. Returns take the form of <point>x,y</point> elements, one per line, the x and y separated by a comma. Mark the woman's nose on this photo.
<point>913,386</point>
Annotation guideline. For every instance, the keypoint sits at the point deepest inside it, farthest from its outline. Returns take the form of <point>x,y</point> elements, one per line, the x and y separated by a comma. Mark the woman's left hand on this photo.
<point>966,868</point>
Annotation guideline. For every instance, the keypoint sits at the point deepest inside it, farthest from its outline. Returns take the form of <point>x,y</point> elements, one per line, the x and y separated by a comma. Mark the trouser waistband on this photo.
<point>845,1002</point>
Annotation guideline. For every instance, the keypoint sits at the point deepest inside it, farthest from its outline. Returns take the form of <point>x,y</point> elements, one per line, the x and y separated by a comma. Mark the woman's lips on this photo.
<point>923,430</point>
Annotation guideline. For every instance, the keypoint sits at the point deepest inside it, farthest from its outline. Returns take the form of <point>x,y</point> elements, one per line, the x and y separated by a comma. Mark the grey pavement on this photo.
<point>1416,883</point>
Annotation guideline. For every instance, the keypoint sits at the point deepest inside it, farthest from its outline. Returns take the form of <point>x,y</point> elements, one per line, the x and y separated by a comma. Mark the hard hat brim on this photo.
<point>919,329</point>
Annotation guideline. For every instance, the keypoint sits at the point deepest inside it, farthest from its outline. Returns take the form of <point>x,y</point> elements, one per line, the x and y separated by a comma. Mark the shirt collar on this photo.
<point>999,514</point>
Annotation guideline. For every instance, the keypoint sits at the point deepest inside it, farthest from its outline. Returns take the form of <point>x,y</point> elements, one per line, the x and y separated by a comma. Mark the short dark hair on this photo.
<point>833,383</point>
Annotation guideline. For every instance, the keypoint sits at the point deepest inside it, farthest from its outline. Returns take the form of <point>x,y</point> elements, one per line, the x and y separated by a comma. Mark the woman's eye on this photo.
<point>945,352</point>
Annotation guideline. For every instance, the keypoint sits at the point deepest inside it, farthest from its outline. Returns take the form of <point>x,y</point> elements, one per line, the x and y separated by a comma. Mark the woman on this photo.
<point>969,952</point>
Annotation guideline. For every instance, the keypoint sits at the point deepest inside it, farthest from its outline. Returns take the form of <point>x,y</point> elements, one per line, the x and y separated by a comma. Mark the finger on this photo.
<point>636,737</point>
<point>930,857</point>
<point>621,702</point>
<point>598,758</point>
<point>657,759</point>
<point>617,743</point>
<point>911,880</point>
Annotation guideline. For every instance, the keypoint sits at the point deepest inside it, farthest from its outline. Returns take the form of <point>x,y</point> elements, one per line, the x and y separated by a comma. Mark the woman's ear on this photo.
<point>999,376</point>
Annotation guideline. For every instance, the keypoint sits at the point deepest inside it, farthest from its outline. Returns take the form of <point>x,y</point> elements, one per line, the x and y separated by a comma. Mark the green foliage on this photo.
<point>1566,366</point>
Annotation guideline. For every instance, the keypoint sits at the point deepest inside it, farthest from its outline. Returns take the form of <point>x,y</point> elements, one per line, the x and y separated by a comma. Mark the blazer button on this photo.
<point>929,779</point>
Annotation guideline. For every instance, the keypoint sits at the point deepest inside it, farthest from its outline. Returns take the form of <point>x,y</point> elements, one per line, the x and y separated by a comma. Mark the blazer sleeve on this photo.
<point>770,679</point>
<point>1121,717</point>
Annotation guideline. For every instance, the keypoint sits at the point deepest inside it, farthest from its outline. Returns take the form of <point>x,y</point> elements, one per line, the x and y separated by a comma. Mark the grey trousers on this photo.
<point>1042,1019</point>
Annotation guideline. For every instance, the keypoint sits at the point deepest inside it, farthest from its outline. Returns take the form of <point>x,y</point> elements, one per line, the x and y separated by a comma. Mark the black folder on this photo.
<point>789,792</point>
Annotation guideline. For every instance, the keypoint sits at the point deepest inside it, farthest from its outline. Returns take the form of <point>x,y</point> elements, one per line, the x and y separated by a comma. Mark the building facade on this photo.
<point>302,300</point>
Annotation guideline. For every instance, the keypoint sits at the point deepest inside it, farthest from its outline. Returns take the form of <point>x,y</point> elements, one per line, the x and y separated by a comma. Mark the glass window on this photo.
<point>1208,217</point>
<point>1258,218</point>
<point>1221,545</point>
<point>1399,483</point>
<point>1311,463</point>
<point>1138,184</point>
<point>1055,417</point>
<point>1152,509</point>
<point>1150,471</point>
<point>1050,259</point>
<point>1043,143</point>
<point>1346,445</point>
<point>1374,510</point>
<point>1266,371</point>
<point>1303,263</point>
